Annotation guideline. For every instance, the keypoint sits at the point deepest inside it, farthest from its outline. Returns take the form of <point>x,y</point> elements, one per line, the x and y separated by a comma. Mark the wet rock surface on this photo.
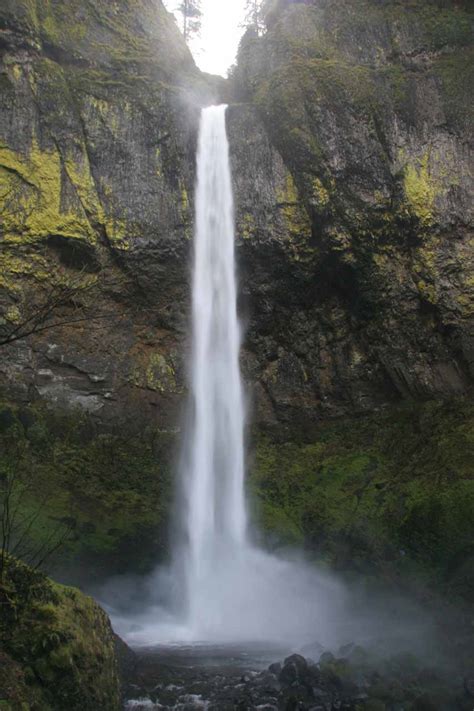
<point>356,99</point>
<point>350,680</point>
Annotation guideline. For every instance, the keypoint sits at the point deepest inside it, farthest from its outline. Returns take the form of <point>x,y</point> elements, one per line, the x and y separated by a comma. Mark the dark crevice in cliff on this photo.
<point>75,255</point>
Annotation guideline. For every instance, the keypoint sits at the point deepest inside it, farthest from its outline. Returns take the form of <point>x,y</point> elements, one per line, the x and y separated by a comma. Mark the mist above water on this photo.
<point>220,587</point>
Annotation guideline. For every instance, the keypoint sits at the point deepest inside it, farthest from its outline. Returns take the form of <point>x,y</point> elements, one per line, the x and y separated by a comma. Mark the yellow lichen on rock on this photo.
<point>296,218</point>
<point>13,267</point>
<point>45,193</point>
<point>427,291</point>
<point>118,231</point>
<point>153,371</point>
<point>79,172</point>
<point>320,193</point>
<point>420,189</point>
<point>184,200</point>
<point>160,374</point>
<point>247,225</point>
<point>32,191</point>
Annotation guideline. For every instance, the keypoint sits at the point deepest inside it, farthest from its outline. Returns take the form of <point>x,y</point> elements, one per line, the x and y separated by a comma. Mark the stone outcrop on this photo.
<point>57,648</point>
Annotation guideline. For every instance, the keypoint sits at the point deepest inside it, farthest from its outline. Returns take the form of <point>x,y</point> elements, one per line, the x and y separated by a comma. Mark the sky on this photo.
<point>216,48</point>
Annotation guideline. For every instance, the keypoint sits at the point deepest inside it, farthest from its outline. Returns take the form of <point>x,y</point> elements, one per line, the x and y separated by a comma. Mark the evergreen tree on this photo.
<point>254,15</point>
<point>191,13</point>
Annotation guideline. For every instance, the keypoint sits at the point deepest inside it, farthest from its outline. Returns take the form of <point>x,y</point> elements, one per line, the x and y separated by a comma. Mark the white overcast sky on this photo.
<point>216,48</point>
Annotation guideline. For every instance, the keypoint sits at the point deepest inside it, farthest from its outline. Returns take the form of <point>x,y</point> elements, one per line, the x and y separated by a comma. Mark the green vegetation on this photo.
<point>57,647</point>
<point>110,486</point>
<point>393,491</point>
<point>420,190</point>
<point>31,186</point>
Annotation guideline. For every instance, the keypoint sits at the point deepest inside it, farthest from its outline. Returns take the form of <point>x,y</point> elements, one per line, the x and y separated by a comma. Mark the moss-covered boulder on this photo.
<point>56,646</point>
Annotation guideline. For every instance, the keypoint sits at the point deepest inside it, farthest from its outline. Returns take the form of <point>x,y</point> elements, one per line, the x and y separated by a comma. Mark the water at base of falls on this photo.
<point>252,597</point>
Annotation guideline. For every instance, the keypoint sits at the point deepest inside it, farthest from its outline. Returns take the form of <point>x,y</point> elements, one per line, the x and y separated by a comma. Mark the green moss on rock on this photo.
<point>35,208</point>
<point>57,646</point>
<point>110,487</point>
<point>420,189</point>
<point>335,82</point>
<point>392,490</point>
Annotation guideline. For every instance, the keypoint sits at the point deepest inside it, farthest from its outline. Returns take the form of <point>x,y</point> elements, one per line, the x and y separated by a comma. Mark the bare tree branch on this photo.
<point>18,518</point>
<point>66,301</point>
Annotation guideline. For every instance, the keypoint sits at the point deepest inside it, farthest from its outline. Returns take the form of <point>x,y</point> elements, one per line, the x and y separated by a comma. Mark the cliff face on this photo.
<point>367,104</point>
<point>98,117</point>
<point>350,131</point>
<point>358,281</point>
<point>351,168</point>
<point>96,164</point>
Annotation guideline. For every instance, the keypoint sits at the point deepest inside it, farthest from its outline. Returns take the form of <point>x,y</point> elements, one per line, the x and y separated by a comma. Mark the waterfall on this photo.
<point>215,517</point>
<point>233,591</point>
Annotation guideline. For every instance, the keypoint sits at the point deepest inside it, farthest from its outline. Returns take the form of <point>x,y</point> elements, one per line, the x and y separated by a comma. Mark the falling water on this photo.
<point>215,507</point>
<point>234,591</point>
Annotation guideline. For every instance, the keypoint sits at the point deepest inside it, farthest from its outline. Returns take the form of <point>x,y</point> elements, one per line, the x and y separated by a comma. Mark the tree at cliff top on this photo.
<point>254,15</point>
<point>191,15</point>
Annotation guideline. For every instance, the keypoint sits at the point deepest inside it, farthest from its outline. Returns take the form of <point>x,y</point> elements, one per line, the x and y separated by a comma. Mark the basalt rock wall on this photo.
<point>350,140</point>
<point>369,293</point>
<point>98,129</point>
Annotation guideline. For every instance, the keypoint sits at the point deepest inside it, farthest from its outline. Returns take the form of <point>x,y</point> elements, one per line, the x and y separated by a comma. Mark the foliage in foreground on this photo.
<point>102,492</point>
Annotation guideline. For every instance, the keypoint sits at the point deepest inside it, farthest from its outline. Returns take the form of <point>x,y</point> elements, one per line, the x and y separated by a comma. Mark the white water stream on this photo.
<point>233,590</point>
<point>215,516</point>
<point>227,589</point>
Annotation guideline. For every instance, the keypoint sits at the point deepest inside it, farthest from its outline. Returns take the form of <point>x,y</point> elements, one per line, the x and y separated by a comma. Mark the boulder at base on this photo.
<point>56,646</point>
